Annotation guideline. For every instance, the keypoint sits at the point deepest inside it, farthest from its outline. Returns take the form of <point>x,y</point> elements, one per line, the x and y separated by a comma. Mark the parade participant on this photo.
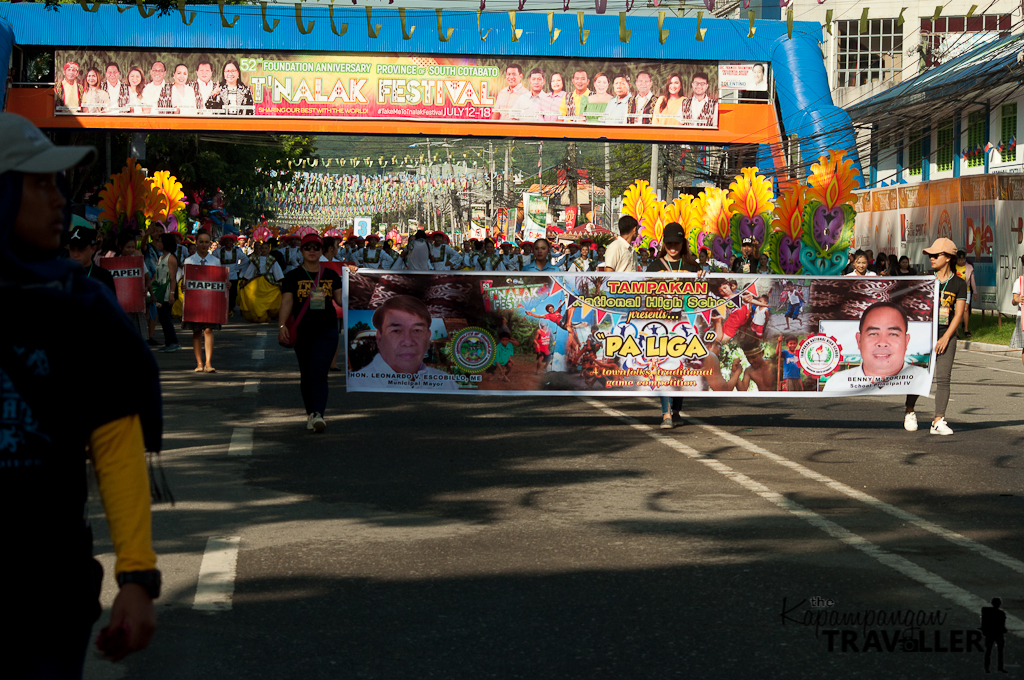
<point>572,106</point>
<point>952,304</point>
<point>418,255</point>
<point>617,110</point>
<point>747,262</point>
<point>259,297</point>
<point>82,248</point>
<point>231,96</point>
<point>292,252</point>
<point>540,261</point>
<point>882,341</point>
<point>156,96</point>
<point>1017,339</point>
<point>306,298</point>
<point>510,260</point>
<point>699,110</point>
<point>126,248</point>
<point>595,103</point>
<point>165,288</point>
<point>965,270</point>
<point>136,80</point>
<point>117,92</point>
<point>579,260</point>
<point>232,257</point>
<point>490,260</point>
<point>508,96</point>
<point>94,97</point>
<point>372,257</point>
<point>860,265</point>
<point>43,493</point>
<point>641,105</point>
<point>202,333</point>
<point>442,256</point>
<point>330,252</point>
<point>184,96</point>
<point>666,109</point>
<point>68,92</point>
<point>620,256</point>
<point>791,366</point>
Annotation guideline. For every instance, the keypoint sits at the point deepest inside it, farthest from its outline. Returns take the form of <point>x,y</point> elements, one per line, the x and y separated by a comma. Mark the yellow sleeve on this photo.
<point>119,457</point>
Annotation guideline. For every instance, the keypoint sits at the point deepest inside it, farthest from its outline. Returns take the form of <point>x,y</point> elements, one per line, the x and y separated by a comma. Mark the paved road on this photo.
<point>460,537</point>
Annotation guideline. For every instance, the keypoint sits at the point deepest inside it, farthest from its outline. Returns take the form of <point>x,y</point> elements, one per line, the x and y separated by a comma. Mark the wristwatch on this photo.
<point>150,580</point>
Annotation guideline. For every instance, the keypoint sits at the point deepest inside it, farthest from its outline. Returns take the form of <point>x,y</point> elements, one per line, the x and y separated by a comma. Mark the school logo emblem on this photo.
<point>472,349</point>
<point>819,355</point>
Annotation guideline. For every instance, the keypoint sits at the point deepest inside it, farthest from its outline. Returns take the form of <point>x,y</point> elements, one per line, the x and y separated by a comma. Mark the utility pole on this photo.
<point>670,181</point>
<point>654,167</point>
<point>608,184</point>
<point>570,173</point>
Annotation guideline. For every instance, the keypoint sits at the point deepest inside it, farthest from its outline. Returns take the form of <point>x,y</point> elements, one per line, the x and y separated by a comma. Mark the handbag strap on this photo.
<point>305,305</point>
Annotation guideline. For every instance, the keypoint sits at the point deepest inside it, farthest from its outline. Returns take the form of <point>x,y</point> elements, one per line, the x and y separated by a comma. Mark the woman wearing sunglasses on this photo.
<point>306,295</point>
<point>952,304</point>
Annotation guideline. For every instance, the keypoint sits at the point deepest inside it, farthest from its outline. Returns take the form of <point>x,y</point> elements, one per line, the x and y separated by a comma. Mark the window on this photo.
<point>874,56</point>
<point>1008,131</point>
<point>947,38</point>
<point>976,139</point>
<point>944,151</point>
<point>915,152</point>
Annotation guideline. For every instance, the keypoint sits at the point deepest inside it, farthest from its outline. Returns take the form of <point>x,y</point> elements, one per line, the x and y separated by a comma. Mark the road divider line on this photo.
<point>928,579</point>
<point>951,536</point>
<point>259,354</point>
<point>216,585</point>
<point>241,442</point>
<point>251,386</point>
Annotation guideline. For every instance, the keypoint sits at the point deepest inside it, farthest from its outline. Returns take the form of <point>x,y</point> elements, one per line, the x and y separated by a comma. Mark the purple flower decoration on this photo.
<point>752,228</point>
<point>720,248</point>
<point>789,255</point>
<point>828,226</point>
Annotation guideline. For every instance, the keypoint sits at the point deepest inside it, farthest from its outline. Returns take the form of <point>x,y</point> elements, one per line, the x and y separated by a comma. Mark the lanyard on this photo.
<point>88,274</point>
<point>669,263</point>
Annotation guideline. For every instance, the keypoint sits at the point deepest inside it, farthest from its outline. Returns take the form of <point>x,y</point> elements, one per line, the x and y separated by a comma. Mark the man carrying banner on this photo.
<point>202,333</point>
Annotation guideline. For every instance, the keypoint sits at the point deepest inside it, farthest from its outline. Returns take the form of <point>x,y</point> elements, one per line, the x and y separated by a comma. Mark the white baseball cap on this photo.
<point>26,148</point>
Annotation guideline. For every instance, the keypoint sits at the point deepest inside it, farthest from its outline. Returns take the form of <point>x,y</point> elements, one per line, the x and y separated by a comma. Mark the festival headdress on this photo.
<point>640,202</point>
<point>784,239</point>
<point>712,211</point>
<point>829,216</point>
<point>751,196</point>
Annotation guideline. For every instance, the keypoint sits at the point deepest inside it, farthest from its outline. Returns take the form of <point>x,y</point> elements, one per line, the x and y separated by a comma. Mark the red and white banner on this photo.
<point>570,217</point>
<point>129,281</point>
<point>206,294</point>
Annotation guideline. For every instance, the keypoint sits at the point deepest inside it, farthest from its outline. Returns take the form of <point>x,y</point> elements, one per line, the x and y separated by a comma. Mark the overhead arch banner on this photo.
<point>419,87</point>
<point>639,334</point>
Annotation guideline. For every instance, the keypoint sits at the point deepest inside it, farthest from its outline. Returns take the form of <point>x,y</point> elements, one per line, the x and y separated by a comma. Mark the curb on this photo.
<point>985,347</point>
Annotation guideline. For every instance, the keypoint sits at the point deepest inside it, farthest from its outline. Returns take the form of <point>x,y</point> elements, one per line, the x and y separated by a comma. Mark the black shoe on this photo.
<point>152,342</point>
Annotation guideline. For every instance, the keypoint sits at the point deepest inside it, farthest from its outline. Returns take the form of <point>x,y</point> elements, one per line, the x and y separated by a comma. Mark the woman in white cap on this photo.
<point>952,303</point>
<point>47,301</point>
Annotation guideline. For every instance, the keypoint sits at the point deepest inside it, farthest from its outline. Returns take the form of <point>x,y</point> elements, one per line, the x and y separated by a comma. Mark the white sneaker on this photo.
<point>309,421</point>
<point>910,422</point>
<point>941,427</point>
<point>318,424</point>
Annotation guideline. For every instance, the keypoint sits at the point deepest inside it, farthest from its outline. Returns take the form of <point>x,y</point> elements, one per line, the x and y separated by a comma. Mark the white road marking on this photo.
<point>251,386</point>
<point>932,581</point>
<point>951,536</point>
<point>241,442</point>
<point>258,354</point>
<point>989,368</point>
<point>216,584</point>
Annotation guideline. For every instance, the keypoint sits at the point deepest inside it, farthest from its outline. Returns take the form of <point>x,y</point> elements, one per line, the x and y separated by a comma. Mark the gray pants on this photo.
<point>943,370</point>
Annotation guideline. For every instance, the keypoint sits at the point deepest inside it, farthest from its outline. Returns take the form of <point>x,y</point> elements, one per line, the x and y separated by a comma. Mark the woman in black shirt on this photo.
<point>308,291</point>
<point>952,304</point>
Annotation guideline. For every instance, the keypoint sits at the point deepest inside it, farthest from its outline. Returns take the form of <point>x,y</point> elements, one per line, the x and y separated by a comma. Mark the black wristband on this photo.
<point>150,580</point>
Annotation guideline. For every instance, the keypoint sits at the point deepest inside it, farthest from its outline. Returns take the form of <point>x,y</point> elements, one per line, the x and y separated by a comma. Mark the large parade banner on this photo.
<point>885,231</point>
<point>977,238</point>
<point>638,334</point>
<point>1009,239</point>
<point>913,202</point>
<point>129,281</point>
<point>522,89</point>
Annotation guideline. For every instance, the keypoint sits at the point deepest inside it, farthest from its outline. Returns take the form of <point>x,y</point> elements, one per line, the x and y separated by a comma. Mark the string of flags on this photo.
<point>1001,147</point>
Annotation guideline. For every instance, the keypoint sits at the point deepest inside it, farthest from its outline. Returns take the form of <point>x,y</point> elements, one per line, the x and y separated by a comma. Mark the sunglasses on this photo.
<point>932,256</point>
<point>312,246</point>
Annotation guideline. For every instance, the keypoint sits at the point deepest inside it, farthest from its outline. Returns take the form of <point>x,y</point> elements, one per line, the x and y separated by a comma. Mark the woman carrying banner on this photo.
<point>53,603</point>
<point>952,303</point>
<point>231,96</point>
<point>1017,340</point>
<point>306,299</point>
<point>164,290</point>
<point>202,333</point>
<point>94,99</point>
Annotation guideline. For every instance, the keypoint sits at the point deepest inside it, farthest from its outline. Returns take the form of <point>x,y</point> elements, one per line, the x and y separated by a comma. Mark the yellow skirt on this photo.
<point>176,310</point>
<point>259,300</point>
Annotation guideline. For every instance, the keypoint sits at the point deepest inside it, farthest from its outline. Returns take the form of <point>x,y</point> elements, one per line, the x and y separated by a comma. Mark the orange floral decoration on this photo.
<point>751,193</point>
<point>790,212</point>
<point>127,193</point>
<point>833,180</point>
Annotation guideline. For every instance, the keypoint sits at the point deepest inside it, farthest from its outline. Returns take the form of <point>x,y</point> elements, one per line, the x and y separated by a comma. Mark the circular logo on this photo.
<point>472,349</point>
<point>819,355</point>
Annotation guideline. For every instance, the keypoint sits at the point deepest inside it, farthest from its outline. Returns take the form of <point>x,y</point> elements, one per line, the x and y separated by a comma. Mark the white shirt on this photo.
<point>418,257</point>
<point>444,257</point>
<point>114,92</point>
<point>620,256</point>
<point>378,376</point>
<point>150,96</point>
<point>373,258</point>
<point>258,267</point>
<point>211,260</point>
<point>185,100</point>
<point>866,273</point>
<point>794,299</point>
<point>910,380</point>
<point>240,264</point>
<point>640,103</point>
<point>760,316</point>
<point>205,89</point>
<point>494,263</point>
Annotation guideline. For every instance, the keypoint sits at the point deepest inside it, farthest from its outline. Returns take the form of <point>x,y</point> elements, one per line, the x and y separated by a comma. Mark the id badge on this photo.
<point>317,300</point>
<point>943,316</point>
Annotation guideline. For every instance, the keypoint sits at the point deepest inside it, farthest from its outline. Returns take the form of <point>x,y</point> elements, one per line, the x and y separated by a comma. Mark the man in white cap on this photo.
<point>42,498</point>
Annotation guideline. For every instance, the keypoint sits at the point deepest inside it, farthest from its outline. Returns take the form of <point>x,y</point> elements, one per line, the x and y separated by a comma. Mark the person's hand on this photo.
<point>282,335</point>
<point>216,91</point>
<point>352,268</point>
<point>133,614</point>
<point>736,365</point>
<point>701,274</point>
<point>940,346</point>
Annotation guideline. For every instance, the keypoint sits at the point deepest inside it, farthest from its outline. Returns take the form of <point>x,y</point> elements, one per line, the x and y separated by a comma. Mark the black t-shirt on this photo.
<point>659,265</point>
<point>952,290</point>
<point>102,275</point>
<point>299,283</point>
<point>739,262</point>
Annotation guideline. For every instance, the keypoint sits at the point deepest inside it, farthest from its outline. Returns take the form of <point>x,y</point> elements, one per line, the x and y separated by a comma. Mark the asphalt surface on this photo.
<point>484,537</point>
